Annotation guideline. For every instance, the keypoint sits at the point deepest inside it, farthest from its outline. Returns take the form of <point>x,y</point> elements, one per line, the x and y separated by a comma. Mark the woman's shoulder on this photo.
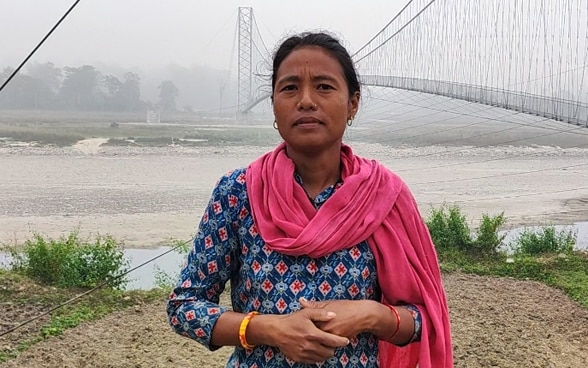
<point>232,181</point>
<point>235,175</point>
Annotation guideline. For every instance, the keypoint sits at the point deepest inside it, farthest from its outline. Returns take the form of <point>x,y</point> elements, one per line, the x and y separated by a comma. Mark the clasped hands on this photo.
<point>313,333</point>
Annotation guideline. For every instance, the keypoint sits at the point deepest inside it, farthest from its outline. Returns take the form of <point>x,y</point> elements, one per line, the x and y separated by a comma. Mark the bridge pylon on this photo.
<point>245,51</point>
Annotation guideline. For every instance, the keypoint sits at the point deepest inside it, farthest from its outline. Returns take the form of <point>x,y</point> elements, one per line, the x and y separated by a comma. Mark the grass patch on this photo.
<point>48,272</point>
<point>71,261</point>
<point>546,255</point>
<point>63,129</point>
<point>42,138</point>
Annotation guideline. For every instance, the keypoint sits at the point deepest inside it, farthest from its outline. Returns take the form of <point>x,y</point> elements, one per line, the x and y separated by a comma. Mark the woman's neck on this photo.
<point>318,171</point>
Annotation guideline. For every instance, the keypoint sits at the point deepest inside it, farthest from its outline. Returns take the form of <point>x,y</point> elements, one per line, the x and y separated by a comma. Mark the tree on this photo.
<point>21,92</point>
<point>80,88</point>
<point>113,88</point>
<point>49,81</point>
<point>168,92</point>
<point>131,92</point>
<point>123,96</point>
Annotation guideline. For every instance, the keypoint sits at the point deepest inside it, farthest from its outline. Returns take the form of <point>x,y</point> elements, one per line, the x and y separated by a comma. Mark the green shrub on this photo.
<point>449,228</point>
<point>488,239</point>
<point>545,255</point>
<point>71,261</point>
<point>546,240</point>
<point>450,231</point>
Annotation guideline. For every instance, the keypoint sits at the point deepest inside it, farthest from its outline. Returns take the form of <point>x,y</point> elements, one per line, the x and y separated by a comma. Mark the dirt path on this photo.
<point>496,323</point>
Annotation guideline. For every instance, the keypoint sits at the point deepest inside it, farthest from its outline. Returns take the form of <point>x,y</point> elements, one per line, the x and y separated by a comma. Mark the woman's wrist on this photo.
<point>394,324</point>
<point>377,318</point>
<point>260,329</point>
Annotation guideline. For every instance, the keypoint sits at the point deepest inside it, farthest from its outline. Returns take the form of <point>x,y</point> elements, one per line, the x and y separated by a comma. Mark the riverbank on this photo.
<point>147,196</point>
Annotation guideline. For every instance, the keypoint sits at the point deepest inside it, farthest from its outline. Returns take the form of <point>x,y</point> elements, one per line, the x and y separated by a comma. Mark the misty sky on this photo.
<point>146,34</point>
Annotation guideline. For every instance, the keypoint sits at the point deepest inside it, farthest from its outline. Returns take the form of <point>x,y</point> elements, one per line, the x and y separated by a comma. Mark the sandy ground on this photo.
<point>147,195</point>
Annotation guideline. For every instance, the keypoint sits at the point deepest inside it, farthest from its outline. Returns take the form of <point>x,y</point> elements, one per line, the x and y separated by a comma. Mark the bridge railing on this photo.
<point>569,111</point>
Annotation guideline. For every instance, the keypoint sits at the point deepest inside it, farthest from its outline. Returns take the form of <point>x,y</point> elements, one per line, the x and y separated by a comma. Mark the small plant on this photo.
<point>449,228</point>
<point>164,280</point>
<point>450,231</point>
<point>546,240</point>
<point>488,239</point>
<point>71,261</point>
<point>69,319</point>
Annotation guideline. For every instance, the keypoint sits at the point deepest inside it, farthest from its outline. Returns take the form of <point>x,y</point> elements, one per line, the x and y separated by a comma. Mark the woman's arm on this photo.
<point>399,325</point>
<point>193,307</point>
<point>295,334</point>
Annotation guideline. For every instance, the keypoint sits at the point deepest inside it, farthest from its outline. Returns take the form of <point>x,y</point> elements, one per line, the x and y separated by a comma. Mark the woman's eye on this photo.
<point>324,86</point>
<point>289,87</point>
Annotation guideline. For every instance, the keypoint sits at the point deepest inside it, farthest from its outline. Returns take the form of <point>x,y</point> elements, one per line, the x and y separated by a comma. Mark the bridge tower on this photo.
<point>245,61</point>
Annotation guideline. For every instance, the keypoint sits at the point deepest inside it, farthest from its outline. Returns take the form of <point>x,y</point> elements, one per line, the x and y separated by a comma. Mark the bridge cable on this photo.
<point>522,196</point>
<point>471,115</point>
<point>554,132</point>
<point>397,32</point>
<point>383,29</point>
<point>502,175</point>
<point>220,30</point>
<point>557,131</point>
<point>38,45</point>
<point>267,52</point>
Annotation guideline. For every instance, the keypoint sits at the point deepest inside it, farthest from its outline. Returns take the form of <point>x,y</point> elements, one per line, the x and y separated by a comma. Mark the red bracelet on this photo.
<point>397,329</point>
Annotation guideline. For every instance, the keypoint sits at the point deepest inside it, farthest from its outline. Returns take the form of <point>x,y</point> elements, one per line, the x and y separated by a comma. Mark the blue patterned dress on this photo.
<point>228,246</point>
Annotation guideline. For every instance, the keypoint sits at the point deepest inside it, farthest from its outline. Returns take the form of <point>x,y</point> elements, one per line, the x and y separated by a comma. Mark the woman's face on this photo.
<point>311,100</point>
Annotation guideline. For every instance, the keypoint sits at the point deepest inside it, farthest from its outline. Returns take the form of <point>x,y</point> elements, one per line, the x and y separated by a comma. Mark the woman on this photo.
<point>328,257</point>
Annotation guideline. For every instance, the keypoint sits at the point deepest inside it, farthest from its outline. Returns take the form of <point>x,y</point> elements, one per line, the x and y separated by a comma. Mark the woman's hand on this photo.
<point>352,316</point>
<point>296,334</point>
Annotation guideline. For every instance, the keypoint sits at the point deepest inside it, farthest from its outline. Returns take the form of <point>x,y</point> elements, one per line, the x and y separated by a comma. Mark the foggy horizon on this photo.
<point>145,35</point>
<point>196,46</point>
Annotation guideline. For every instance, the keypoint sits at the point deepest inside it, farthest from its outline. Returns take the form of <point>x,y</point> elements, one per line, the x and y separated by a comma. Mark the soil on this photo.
<point>496,322</point>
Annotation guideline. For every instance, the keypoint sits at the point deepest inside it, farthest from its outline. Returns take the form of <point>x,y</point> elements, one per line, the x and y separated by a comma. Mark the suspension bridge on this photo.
<point>526,56</point>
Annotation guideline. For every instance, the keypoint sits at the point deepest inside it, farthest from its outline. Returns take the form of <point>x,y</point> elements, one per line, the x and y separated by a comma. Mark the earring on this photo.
<point>350,122</point>
<point>276,124</point>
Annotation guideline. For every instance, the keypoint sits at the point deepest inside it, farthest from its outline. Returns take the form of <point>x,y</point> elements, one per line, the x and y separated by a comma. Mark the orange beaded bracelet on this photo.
<point>397,322</point>
<point>243,329</point>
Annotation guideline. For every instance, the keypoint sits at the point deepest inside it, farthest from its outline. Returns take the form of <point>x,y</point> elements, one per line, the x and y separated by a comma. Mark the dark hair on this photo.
<point>328,43</point>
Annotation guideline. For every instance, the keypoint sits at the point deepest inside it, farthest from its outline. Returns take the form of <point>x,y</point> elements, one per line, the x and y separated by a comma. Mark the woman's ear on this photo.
<point>353,105</point>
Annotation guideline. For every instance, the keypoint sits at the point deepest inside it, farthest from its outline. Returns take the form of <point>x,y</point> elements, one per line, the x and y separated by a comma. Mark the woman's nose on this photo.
<point>302,105</point>
<point>306,101</point>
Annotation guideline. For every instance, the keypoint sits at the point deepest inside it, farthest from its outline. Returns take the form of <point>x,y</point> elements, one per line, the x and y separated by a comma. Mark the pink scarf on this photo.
<point>372,204</point>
